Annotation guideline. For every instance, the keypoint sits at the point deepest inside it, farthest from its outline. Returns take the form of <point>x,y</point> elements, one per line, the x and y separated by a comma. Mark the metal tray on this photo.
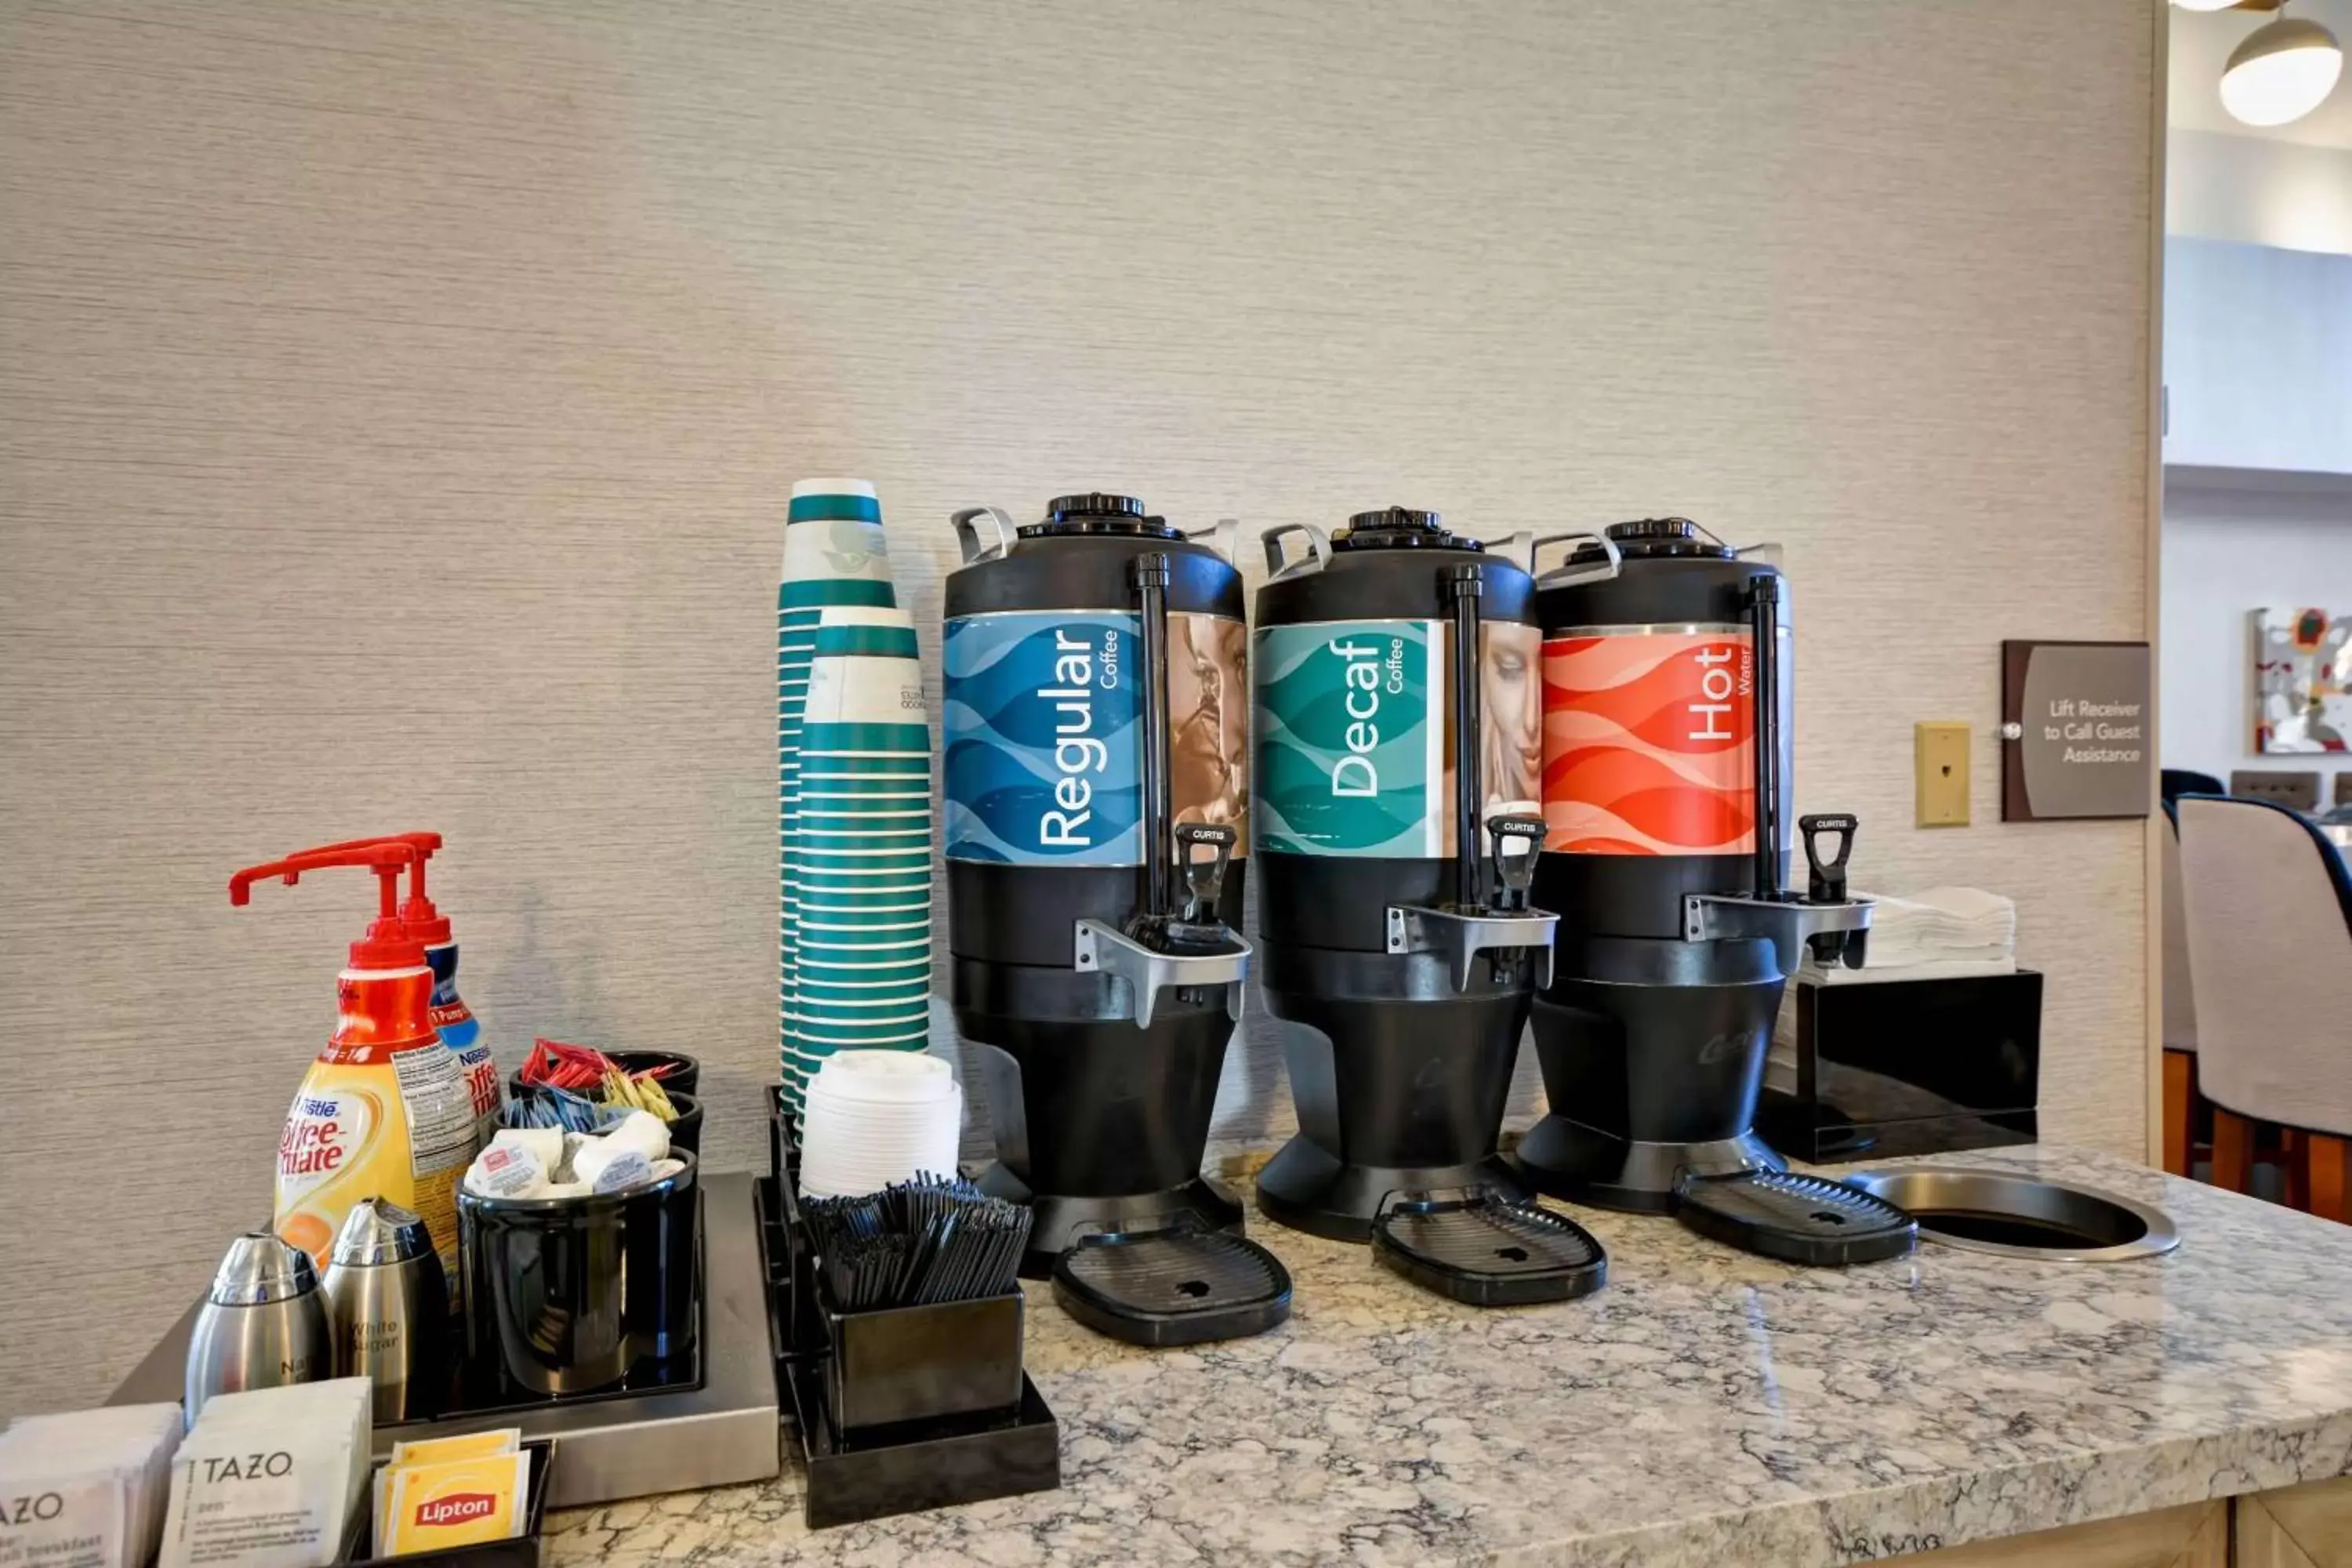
<point>630,1445</point>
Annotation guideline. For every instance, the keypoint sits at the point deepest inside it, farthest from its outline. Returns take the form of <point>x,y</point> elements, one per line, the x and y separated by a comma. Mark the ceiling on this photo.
<point>2201,42</point>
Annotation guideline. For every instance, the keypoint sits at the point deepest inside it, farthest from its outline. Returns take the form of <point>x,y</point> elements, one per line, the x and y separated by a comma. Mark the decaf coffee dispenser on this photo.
<point>1397,784</point>
<point>1667,707</point>
<point>1097,798</point>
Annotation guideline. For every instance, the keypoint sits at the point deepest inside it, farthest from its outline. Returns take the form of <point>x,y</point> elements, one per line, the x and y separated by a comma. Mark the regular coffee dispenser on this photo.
<point>1096,828</point>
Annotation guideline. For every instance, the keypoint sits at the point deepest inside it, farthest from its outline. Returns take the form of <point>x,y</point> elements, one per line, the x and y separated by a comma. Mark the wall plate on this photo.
<point>1939,754</point>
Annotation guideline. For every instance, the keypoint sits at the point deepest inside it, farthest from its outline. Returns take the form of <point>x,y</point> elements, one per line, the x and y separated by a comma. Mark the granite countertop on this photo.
<point>1706,1406</point>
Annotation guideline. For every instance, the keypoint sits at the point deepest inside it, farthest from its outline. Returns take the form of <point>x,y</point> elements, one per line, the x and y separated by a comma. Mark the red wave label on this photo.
<point>1649,743</point>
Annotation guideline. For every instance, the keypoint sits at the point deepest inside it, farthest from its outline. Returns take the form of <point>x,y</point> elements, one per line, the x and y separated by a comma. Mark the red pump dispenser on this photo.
<point>389,942</point>
<point>385,1111</point>
<point>424,923</point>
<point>452,1019</point>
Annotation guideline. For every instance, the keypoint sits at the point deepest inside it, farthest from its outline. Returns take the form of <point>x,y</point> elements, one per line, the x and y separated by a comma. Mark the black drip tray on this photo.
<point>1489,1251</point>
<point>1796,1219</point>
<point>1172,1287</point>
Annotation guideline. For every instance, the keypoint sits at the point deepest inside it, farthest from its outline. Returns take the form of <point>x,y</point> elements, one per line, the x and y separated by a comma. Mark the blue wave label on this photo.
<point>1041,722</point>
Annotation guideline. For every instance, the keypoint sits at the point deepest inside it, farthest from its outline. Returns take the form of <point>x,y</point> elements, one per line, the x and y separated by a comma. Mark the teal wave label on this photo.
<point>1349,746</point>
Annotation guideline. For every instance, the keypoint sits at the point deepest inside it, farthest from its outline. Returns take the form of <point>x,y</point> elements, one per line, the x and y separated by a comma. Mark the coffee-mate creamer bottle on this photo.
<point>385,1111</point>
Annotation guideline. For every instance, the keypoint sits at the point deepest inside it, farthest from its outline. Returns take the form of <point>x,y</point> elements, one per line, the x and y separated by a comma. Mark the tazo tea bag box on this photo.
<point>86,1489</point>
<point>455,1503</point>
<point>270,1478</point>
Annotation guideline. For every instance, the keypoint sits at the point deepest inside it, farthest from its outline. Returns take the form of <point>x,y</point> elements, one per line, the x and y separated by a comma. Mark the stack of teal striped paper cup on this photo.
<point>835,561</point>
<point>835,573</point>
<point>860,849</point>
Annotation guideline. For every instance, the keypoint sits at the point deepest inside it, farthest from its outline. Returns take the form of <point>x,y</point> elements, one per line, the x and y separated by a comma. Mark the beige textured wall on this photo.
<point>397,402</point>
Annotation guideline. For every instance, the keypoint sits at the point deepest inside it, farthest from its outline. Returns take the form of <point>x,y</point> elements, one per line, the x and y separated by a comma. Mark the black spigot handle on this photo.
<point>1825,881</point>
<point>1515,871</point>
<point>1204,879</point>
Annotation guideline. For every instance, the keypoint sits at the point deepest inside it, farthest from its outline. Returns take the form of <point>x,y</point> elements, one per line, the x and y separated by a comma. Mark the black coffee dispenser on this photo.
<point>1399,760</point>
<point>1667,759</point>
<point>1097,775</point>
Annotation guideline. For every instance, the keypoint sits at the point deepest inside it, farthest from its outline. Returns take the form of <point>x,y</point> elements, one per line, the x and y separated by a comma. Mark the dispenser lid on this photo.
<point>1649,537</point>
<point>1400,528</point>
<point>379,1231</point>
<point>1796,1219</point>
<point>1485,1250</point>
<point>260,1268</point>
<point>1175,1287</point>
<point>1099,511</point>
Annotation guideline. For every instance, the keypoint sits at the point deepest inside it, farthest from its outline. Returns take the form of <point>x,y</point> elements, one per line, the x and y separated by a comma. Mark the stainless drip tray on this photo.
<point>2020,1216</point>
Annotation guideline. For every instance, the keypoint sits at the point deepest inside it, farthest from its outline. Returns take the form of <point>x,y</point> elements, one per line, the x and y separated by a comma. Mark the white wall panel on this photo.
<point>397,402</point>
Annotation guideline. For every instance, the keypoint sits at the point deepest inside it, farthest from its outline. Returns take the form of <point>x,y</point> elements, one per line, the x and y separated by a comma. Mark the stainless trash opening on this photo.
<point>2014,1215</point>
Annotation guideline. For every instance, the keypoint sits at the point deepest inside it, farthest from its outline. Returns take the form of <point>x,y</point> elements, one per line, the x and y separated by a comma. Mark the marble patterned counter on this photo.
<point>1706,1407</point>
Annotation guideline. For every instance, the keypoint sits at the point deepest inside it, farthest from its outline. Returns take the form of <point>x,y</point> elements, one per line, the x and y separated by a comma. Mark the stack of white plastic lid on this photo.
<point>873,1118</point>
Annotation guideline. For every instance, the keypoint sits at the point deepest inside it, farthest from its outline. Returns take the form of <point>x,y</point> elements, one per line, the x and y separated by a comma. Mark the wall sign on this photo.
<point>2075,724</point>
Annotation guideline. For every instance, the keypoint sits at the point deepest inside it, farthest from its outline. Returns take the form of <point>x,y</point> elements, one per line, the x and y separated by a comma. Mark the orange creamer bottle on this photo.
<point>385,1111</point>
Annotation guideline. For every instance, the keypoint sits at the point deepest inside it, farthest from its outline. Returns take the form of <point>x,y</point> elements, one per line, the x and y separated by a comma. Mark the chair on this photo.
<point>2269,906</point>
<point>2297,791</point>
<point>2174,782</point>
<point>2180,1010</point>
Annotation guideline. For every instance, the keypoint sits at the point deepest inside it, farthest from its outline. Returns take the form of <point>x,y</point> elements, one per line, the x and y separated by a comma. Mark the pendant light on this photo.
<point>2283,70</point>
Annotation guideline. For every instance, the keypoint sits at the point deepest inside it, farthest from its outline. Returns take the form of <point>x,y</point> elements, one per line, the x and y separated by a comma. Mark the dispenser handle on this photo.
<point>1203,880</point>
<point>1318,551</point>
<point>424,843</point>
<point>385,858</point>
<point>1518,548</point>
<point>975,548</point>
<point>1150,575</point>
<point>1564,576</point>
<point>1464,588</point>
<point>1826,883</point>
<point>1220,536</point>
<point>427,846</point>
<point>1764,652</point>
<point>1515,871</point>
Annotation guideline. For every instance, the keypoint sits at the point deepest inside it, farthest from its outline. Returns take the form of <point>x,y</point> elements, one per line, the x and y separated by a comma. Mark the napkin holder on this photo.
<point>1896,1068</point>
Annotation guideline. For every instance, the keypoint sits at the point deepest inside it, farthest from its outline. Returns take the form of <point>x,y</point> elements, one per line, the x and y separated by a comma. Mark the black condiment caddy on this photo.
<point>904,1409</point>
